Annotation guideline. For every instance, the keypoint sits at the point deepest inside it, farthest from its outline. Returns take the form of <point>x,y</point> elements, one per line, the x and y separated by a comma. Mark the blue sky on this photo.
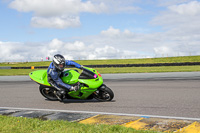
<point>98,29</point>
<point>16,25</point>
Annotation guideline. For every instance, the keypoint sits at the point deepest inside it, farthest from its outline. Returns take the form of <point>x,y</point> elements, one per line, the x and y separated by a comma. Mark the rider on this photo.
<point>55,70</point>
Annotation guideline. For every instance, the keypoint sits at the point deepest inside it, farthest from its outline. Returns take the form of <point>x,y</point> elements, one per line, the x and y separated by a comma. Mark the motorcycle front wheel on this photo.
<point>48,92</point>
<point>104,94</point>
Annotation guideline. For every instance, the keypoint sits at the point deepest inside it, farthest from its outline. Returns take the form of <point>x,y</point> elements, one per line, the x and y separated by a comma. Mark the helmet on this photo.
<point>59,62</point>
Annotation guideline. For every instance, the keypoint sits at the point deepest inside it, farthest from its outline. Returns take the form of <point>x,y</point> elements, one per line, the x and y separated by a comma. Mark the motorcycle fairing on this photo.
<point>40,76</point>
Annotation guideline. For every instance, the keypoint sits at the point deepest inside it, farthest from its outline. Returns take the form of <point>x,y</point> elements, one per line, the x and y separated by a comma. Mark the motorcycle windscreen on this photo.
<point>87,74</point>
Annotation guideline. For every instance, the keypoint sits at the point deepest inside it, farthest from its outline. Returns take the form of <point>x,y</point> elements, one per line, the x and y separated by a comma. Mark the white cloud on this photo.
<point>192,8</point>
<point>65,13</point>
<point>55,22</point>
<point>181,27</point>
<point>177,15</point>
<point>49,8</point>
<point>171,2</point>
<point>111,32</point>
<point>55,44</point>
<point>14,51</point>
<point>115,45</point>
<point>180,35</point>
<point>179,39</point>
<point>76,46</point>
<point>163,50</point>
<point>116,33</point>
<point>56,14</point>
<point>120,6</point>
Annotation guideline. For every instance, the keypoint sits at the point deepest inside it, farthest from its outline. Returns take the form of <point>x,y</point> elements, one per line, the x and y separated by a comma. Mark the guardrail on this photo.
<point>115,65</point>
<point>5,67</point>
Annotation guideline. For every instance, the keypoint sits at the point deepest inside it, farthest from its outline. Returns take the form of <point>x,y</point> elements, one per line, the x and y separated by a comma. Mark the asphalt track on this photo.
<point>161,94</point>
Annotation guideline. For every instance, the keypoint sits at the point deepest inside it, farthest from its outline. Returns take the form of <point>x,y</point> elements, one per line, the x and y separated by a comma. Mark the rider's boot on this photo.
<point>75,88</point>
<point>60,95</point>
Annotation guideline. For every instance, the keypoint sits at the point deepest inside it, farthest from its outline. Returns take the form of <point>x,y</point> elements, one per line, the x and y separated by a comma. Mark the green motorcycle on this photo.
<point>90,80</point>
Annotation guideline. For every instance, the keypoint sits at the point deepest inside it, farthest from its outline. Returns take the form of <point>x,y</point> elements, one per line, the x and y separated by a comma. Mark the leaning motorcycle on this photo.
<point>90,80</point>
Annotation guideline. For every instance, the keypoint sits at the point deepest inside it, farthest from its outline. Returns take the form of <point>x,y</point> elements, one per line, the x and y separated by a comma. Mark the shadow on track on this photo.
<point>67,101</point>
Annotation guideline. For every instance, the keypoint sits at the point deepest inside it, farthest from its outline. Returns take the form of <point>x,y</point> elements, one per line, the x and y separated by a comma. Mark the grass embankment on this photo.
<point>28,125</point>
<point>113,61</point>
<point>14,72</point>
<point>114,69</point>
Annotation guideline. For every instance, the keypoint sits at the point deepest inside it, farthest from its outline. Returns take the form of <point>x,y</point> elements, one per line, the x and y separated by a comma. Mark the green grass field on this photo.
<point>4,72</point>
<point>13,72</point>
<point>114,61</point>
<point>30,125</point>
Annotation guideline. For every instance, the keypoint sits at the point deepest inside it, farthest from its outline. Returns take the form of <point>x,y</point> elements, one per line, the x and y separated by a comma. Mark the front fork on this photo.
<point>97,92</point>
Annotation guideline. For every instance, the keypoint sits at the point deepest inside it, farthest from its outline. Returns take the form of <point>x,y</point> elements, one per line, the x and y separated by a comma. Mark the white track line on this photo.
<point>103,113</point>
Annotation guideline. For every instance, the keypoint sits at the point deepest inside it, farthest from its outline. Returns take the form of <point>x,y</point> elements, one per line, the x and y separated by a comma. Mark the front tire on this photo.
<point>104,94</point>
<point>48,92</point>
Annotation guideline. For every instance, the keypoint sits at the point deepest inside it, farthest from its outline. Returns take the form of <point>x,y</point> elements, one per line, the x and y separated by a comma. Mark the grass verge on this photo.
<point>113,61</point>
<point>4,72</point>
<point>28,125</point>
<point>13,72</point>
<point>149,69</point>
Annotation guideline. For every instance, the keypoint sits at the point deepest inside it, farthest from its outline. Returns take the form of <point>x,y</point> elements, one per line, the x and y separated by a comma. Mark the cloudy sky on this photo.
<point>98,29</point>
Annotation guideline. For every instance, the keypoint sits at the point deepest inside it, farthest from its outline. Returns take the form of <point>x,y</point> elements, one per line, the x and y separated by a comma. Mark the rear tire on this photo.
<point>48,92</point>
<point>104,94</point>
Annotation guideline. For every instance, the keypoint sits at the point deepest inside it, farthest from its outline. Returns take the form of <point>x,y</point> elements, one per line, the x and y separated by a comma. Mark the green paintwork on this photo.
<point>71,77</point>
<point>40,76</point>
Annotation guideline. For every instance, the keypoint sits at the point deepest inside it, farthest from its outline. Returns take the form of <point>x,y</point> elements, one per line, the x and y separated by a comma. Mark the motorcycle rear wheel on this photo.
<point>104,94</point>
<point>48,92</point>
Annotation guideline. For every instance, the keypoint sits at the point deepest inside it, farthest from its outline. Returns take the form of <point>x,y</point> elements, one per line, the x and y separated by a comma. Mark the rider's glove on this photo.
<point>81,67</point>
